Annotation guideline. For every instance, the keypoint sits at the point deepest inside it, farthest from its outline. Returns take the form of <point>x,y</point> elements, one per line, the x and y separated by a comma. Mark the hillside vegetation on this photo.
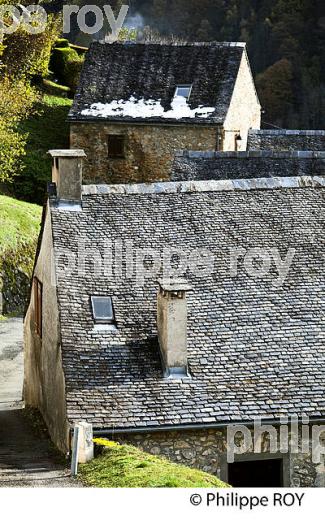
<point>123,466</point>
<point>19,230</point>
<point>24,60</point>
<point>19,223</point>
<point>46,129</point>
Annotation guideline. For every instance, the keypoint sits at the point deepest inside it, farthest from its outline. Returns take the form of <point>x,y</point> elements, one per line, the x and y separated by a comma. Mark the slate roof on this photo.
<point>152,71</point>
<point>286,140</point>
<point>255,349</point>
<point>189,165</point>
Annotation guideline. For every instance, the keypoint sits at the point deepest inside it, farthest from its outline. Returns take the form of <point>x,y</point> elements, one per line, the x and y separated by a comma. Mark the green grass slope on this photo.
<point>123,466</point>
<point>19,223</point>
<point>19,230</point>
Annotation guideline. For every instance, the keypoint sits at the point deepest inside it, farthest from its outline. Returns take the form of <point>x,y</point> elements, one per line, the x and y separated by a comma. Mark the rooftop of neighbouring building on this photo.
<point>278,140</point>
<point>136,82</point>
<point>189,165</point>
<point>255,348</point>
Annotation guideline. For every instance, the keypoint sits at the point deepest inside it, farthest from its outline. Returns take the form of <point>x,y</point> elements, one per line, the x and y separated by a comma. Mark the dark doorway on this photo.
<point>256,473</point>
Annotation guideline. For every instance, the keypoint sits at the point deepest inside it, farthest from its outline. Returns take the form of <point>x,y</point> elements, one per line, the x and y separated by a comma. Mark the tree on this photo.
<point>23,57</point>
<point>204,32</point>
<point>17,98</point>
<point>29,54</point>
<point>274,30</point>
<point>276,92</point>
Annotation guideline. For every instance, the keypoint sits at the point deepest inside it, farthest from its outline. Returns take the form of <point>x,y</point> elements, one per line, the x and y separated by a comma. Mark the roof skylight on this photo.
<point>102,308</point>
<point>183,91</point>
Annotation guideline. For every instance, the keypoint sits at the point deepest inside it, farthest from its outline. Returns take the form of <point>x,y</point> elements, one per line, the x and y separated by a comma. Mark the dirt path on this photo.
<point>11,362</point>
<point>26,458</point>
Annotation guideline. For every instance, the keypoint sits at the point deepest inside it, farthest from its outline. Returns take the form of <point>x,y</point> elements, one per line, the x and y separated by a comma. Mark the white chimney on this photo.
<point>172,326</point>
<point>67,174</point>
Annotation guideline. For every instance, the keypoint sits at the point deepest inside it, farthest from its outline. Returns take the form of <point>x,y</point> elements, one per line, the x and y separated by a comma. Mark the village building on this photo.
<point>286,140</point>
<point>161,315</point>
<point>139,103</point>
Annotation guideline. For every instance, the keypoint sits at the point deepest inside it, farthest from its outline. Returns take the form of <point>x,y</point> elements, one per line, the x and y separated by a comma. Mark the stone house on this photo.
<point>137,104</point>
<point>141,324</point>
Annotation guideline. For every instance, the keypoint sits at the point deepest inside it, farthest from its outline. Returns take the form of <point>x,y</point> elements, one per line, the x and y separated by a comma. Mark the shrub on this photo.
<point>16,102</point>
<point>17,98</point>
<point>29,54</point>
<point>47,129</point>
<point>61,42</point>
<point>72,72</point>
<point>55,89</point>
<point>59,59</point>
<point>11,151</point>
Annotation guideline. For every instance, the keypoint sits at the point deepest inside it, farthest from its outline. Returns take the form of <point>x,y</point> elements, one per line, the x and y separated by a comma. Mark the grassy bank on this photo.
<point>19,223</point>
<point>19,230</point>
<point>123,466</point>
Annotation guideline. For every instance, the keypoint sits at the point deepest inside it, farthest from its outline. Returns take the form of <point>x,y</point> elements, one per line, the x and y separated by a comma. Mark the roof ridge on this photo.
<point>253,154</point>
<point>172,44</point>
<point>161,188</point>
<point>283,131</point>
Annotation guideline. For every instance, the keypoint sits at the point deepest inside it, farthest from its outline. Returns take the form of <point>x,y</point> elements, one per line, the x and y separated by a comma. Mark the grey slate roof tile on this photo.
<point>152,71</point>
<point>254,349</point>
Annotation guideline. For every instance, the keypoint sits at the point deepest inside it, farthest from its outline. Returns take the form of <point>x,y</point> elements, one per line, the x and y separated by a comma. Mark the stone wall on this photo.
<point>44,383</point>
<point>16,266</point>
<point>206,450</point>
<point>281,140</point>
<point>15,290</point>
<point>246,165</point>
<point>244,110</point>
<point>150,149</point>
<point>198,449</point>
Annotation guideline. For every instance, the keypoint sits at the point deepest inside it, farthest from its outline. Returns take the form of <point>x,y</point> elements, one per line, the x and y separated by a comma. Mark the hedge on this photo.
<point>66,64</point>
<point>55,89</point>
<point>61,56</point>
<point>61,42</point>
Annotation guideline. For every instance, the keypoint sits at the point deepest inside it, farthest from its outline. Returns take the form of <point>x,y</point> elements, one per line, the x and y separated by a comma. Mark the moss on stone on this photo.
<point>127,466</point>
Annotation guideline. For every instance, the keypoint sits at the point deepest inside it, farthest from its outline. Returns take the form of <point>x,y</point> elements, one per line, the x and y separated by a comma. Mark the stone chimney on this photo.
<point>172,326</point>
<point>67,174</point>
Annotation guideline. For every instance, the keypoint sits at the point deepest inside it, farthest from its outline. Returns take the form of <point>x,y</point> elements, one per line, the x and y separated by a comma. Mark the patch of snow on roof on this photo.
<point>142,108</point>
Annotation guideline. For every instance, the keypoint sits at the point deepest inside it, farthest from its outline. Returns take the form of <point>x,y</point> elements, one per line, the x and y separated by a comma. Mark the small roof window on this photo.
<point>183,91</point>
<point>102,308</point>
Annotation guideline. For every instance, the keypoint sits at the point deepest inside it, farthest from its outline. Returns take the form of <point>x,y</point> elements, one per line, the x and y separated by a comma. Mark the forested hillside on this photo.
<point>286,45</point>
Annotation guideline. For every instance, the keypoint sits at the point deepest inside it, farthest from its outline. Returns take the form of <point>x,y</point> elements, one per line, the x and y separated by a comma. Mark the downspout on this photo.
<point>220,139</point>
